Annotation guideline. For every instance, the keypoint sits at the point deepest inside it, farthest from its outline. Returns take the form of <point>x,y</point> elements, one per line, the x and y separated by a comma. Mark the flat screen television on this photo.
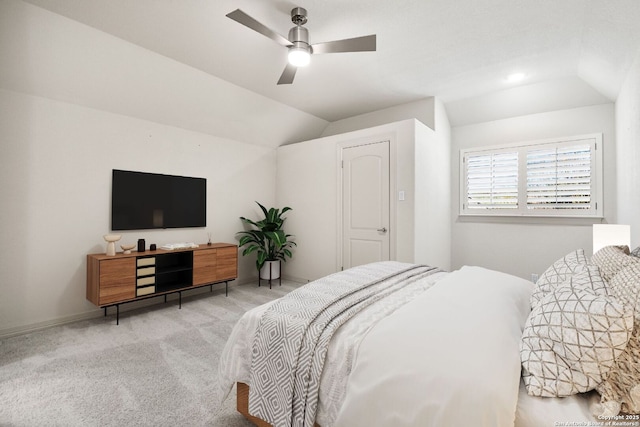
<point>141,200</point>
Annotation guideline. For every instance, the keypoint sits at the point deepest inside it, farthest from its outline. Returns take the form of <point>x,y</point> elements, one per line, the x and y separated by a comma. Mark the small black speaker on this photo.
<point>141,245</point>
<point>152,247</point>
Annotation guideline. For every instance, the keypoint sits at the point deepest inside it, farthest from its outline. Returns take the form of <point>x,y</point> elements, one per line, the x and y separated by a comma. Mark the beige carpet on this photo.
<point>159,367</point>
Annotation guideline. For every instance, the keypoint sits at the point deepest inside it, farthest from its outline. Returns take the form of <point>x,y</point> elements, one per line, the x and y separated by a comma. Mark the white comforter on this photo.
<point>449,357</point>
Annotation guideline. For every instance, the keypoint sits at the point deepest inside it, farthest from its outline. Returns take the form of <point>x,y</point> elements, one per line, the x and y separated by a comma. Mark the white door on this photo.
<point>365,204</point>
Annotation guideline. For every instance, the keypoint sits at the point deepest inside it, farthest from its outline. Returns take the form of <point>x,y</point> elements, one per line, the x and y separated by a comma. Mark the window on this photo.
<point>560,177</point>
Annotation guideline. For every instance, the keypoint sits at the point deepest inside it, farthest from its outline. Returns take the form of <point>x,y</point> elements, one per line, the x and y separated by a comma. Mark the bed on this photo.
<point>397,344</point>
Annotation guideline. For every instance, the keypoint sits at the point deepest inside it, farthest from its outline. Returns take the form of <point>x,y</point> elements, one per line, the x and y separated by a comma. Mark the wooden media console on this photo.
<point>123,278</point>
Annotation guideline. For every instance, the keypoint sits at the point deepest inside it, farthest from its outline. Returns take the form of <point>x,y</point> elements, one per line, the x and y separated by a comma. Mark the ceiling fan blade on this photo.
<point>356,44</point>
<point>244,19</point>
<point>288,74</point>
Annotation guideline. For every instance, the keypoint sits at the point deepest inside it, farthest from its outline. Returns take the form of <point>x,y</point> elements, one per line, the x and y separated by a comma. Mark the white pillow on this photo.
<point>557,273</point>
<point>572,338</point>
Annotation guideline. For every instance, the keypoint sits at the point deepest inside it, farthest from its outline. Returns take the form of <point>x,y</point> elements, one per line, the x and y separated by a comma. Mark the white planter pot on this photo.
<point>270,270</point>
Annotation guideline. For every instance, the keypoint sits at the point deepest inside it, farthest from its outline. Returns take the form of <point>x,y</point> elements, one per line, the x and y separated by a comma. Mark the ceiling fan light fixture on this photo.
<point>299,56</point>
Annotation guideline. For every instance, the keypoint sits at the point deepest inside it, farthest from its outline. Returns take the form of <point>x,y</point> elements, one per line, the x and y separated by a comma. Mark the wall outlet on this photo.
<point>534,277</point>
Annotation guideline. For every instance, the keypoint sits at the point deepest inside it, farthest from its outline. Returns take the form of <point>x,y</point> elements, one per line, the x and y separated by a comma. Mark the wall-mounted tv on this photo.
<point>141,200</point>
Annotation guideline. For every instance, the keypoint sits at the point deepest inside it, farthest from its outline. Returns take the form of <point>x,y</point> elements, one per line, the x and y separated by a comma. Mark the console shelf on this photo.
<point>123,278</point>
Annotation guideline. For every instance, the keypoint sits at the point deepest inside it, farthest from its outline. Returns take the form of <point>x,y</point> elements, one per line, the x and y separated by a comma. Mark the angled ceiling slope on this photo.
<point>452,50</point>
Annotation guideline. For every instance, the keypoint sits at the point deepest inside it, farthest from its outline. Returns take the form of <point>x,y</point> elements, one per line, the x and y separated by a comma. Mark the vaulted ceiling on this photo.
<point>571,51</point>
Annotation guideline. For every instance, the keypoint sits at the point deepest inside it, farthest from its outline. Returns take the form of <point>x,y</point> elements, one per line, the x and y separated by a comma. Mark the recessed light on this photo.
<point>516,77</point>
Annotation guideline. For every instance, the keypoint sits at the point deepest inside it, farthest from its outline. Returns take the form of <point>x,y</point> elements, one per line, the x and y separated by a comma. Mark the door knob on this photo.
<point>382,230</point>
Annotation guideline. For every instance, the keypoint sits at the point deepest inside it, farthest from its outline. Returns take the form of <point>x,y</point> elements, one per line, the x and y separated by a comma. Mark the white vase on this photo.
<point>270,270</point>
<point>111,240</point>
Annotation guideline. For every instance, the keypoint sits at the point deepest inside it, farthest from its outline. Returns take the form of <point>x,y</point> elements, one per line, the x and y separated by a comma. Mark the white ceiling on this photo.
<point>573,51</point>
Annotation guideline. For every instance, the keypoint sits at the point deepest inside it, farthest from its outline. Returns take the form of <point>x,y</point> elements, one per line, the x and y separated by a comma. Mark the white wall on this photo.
<point>55,167</point>
<point>307,172</point>
<point>307,181</point>
<point>628,152</point>
<point>433,191</point>
<point>48,55</point>
<point>524,246</point>
<point>422,110</point>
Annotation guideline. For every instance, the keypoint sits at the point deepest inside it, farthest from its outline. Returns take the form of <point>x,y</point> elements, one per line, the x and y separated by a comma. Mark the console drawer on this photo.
<point>144,281</point>
<point>145,291</point>
<point>147,271</point>
<point>143,262</point>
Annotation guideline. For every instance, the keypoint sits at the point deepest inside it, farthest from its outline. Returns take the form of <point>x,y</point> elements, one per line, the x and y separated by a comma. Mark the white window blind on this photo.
<point>560,177</point>
<point>492,181</point>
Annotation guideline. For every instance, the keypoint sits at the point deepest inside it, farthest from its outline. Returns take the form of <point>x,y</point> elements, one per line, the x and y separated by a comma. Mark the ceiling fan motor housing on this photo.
<point>299,15</point>
<point>299,34</point>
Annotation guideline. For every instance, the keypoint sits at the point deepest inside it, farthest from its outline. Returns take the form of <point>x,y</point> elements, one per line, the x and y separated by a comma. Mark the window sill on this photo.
<point>531,219</point>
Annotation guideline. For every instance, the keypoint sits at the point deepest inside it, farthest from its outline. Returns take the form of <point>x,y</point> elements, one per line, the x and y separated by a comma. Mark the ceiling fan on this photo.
<point>300,50</point>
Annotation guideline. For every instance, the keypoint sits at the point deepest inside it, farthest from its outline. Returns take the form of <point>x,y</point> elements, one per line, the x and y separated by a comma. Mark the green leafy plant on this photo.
<point>267,238</point>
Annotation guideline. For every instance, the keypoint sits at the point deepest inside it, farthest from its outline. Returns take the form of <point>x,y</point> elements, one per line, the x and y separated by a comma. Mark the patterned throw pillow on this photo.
<point>612,259</point>
<point>557,273</point>
<point>588,278</point>
<point>620,390</point>
<point>572,338</point>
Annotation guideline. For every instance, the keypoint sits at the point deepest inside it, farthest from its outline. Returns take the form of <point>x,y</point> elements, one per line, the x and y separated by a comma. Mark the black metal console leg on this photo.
<point>180,300</point>
<point>226,289</point>
<point>117,314</point>
<point>105,312</point>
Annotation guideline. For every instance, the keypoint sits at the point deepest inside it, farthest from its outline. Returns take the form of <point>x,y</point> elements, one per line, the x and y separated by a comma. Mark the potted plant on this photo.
<point>268,240</point>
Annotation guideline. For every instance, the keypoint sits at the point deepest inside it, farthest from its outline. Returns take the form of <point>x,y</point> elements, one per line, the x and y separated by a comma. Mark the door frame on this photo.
<point>368,140</point>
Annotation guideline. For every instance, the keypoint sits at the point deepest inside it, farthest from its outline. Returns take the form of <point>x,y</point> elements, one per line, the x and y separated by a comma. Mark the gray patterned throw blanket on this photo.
<point>291,341</point>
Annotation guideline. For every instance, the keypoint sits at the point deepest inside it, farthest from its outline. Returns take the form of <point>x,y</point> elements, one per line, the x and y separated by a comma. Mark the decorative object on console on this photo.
<point>177,246</point>
<point>611,235</point>
<point>268,240</point>
<point>141,245</point>
<point>209,238</point>
<point>152,247</point>
<point>111,240</point>
<point>127,248</point>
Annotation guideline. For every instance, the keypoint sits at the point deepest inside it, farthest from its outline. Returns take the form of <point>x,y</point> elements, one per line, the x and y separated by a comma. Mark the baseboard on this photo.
<point>295,279</point>
<point>35,327</point>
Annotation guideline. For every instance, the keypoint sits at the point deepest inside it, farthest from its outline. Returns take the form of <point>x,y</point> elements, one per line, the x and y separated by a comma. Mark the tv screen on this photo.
<point>142,200</point>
